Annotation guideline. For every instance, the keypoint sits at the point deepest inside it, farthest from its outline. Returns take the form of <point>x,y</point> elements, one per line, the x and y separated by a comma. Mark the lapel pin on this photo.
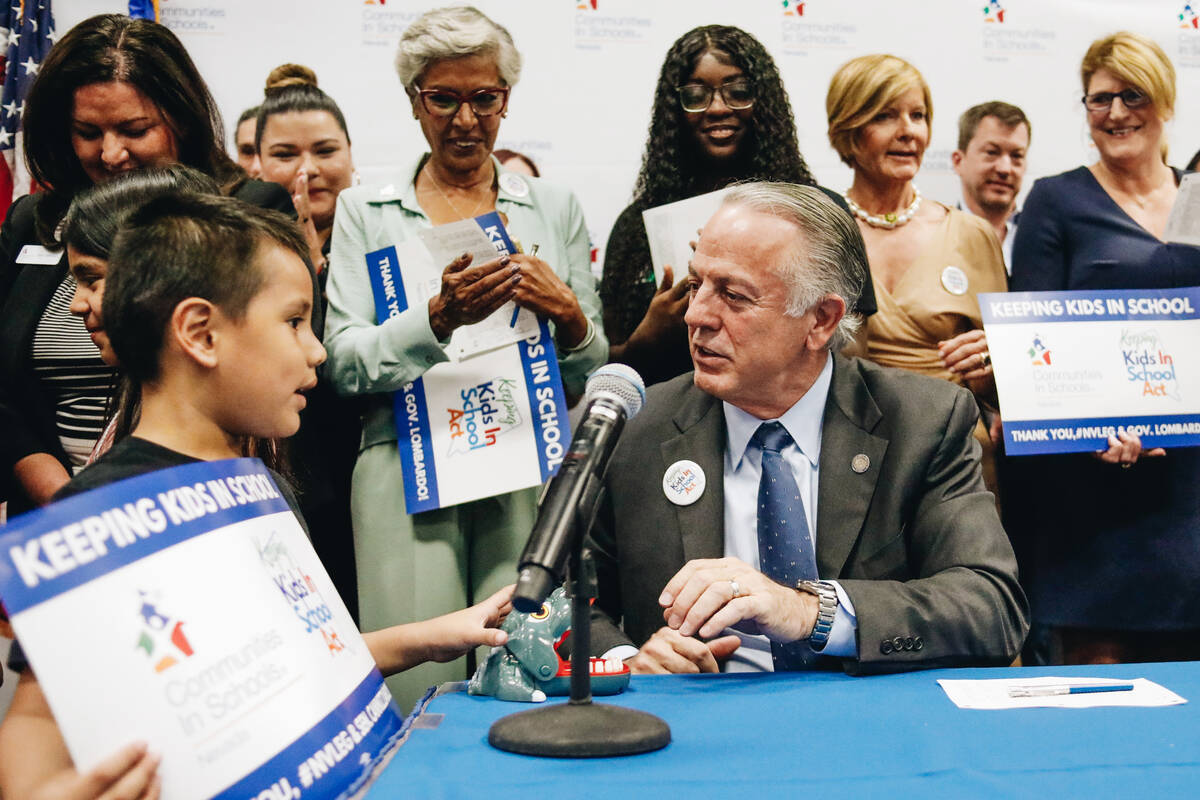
<point>683,483</point>
<point>860,463</point>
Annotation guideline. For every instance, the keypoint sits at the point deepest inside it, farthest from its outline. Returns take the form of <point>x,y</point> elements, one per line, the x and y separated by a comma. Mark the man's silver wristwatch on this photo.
<point>827,603</point>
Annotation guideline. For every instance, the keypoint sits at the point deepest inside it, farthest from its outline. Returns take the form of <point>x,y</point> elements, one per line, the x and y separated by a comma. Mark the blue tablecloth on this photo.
<point>829,735</point>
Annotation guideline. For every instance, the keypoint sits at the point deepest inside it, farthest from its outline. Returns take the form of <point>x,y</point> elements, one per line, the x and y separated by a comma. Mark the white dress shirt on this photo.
<point>743,467</point>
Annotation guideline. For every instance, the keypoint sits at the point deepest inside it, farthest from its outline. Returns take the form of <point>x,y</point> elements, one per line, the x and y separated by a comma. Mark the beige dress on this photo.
<point>935,300</point>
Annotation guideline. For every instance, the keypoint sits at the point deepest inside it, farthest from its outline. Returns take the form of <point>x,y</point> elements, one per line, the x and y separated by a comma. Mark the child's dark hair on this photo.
<point>183,246</point>
<point>96,214</point>
<point>293,87</point>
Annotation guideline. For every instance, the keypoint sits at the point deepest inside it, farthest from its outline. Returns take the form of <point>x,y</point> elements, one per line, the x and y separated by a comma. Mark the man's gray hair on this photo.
<point>454,32</point>
<point>830,258</point>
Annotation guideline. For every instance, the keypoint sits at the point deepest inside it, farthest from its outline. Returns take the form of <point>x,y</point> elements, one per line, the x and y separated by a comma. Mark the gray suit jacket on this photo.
<point>914,540</point>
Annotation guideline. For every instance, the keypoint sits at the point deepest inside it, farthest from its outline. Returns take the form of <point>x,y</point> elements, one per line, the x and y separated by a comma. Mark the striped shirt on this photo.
<point>70,369</point>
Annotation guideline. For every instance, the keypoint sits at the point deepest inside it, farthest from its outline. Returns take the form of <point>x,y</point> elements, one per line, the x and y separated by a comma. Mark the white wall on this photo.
<point>581,109</point>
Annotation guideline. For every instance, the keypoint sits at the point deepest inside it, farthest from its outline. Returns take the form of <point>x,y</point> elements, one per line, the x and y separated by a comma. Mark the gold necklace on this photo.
<point>446,197</point>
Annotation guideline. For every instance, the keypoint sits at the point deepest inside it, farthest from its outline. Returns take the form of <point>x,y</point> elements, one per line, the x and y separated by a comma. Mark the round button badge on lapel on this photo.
<point>683,482</point>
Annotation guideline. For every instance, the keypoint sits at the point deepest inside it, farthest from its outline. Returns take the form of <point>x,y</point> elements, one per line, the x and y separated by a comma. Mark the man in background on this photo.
<point>993,139</point>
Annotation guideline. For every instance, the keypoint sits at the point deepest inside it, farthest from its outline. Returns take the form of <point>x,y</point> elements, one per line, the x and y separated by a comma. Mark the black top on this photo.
<point>627,287</point>
<point>133,456</point>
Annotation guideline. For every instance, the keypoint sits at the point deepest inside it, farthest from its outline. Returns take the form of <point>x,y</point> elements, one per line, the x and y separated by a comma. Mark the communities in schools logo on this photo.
<point>993,12</point>
<point>1148,364</point>
<point>488,410</point>
<point>1188,18</point>
<point>1039,354</point>
<point>586,5</point>
<point>793,8</point>
<point>161,638</point>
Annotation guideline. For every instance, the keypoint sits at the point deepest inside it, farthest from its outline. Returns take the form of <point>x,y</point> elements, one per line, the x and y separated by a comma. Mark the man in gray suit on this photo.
<point>783,507</point>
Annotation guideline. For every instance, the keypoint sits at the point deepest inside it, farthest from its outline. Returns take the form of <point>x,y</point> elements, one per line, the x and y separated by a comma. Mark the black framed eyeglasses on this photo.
<point>445,103</point>
<point>1102,101</point>
<point>697,97</point>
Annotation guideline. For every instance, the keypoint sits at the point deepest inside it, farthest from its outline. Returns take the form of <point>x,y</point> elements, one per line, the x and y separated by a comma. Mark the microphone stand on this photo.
<point>580,728</point>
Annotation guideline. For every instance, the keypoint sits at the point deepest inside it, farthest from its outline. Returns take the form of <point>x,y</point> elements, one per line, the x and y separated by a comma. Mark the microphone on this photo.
<point>614,394</point>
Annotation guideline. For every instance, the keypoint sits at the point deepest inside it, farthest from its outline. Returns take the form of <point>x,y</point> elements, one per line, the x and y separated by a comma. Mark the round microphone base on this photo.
<point>584,730</point>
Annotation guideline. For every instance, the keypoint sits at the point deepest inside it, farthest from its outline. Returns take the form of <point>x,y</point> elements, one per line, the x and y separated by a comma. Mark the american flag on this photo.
<point>29,32</point>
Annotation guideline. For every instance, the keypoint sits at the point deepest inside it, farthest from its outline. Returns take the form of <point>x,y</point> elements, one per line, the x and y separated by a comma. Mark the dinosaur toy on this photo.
<point>528,667</point>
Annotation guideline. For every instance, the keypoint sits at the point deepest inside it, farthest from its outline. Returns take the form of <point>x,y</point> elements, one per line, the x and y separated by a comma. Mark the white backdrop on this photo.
<point>582,107</point>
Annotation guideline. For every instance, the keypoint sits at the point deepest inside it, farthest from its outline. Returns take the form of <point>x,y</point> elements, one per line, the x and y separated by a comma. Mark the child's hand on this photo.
<point>452,635</point>
<point>131,772</point>
<point>443,638</point>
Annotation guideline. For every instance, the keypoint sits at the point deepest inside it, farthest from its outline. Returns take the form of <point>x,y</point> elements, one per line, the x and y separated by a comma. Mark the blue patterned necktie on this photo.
<point>785,548</point>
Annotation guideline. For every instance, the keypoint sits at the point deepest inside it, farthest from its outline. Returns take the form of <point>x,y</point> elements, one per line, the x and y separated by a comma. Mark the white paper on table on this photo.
<point>672,228</point>
<point>443,244</point>
<point>1183,225</point>
<point>993,694</point>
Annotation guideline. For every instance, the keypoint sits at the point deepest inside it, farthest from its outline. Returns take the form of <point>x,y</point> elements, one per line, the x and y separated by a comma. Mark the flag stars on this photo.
<point>31,66</point>
<point>14,37</point>
<point>12,108</point>
<point>5,138</point>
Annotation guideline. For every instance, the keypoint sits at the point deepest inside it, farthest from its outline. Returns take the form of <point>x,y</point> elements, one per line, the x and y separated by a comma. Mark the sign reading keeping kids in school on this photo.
<point>186,608</point>
<point>494,418</point>
<point>1074,368</point>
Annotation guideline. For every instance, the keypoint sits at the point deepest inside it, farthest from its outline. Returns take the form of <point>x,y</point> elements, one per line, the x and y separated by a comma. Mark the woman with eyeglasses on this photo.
<point>458,68</point>
<point>1112,560</point>
<point>720,115</point>
<point>928,261</point>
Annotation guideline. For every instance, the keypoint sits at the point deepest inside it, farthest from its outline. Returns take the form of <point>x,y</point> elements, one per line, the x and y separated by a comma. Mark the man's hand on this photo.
<point>470,294</point>
<point>711,594</point>
<point>129,774</point>
<point>668,651</point>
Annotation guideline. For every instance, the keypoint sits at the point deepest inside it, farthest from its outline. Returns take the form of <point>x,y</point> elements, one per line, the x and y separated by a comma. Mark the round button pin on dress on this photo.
<point>683,483</point>
<point>860,463</point>
<point>514,184</point>
<point>954,280</point>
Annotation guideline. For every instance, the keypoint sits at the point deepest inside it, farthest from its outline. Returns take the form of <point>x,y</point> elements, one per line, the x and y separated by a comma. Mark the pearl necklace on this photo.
<point>887,221</point>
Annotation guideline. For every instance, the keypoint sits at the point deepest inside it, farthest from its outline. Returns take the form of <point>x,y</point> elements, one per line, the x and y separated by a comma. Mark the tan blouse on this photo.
<point>935,298</point>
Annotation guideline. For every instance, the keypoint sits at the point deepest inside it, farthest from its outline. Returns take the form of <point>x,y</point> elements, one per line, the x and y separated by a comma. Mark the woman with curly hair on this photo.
<point>720,115</point>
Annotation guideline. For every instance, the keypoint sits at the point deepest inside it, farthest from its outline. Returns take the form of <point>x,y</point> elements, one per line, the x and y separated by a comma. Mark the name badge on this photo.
<point>36,254</point>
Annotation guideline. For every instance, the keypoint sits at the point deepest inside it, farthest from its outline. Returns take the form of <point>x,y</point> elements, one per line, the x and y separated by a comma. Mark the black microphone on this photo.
<point>614,394</point>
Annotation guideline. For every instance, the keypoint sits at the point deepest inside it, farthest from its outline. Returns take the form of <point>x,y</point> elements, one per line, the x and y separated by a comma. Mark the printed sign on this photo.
<point>492,421</point>
<point>1074,368</point>
<point>672,228</point>
<point>188,609</point>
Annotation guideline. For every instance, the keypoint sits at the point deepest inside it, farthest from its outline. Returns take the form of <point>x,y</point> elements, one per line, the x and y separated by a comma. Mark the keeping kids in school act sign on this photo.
<point>187,608</point>
<point>1074,368</point>
<point>491,422</point>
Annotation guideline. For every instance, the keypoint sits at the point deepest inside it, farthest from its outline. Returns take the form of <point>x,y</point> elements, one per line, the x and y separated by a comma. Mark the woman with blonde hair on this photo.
<point>927,261</point>
<point>1112,563</point>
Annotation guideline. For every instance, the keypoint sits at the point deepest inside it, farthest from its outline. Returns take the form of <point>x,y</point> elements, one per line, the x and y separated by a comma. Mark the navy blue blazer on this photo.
<point>1100,546</point>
